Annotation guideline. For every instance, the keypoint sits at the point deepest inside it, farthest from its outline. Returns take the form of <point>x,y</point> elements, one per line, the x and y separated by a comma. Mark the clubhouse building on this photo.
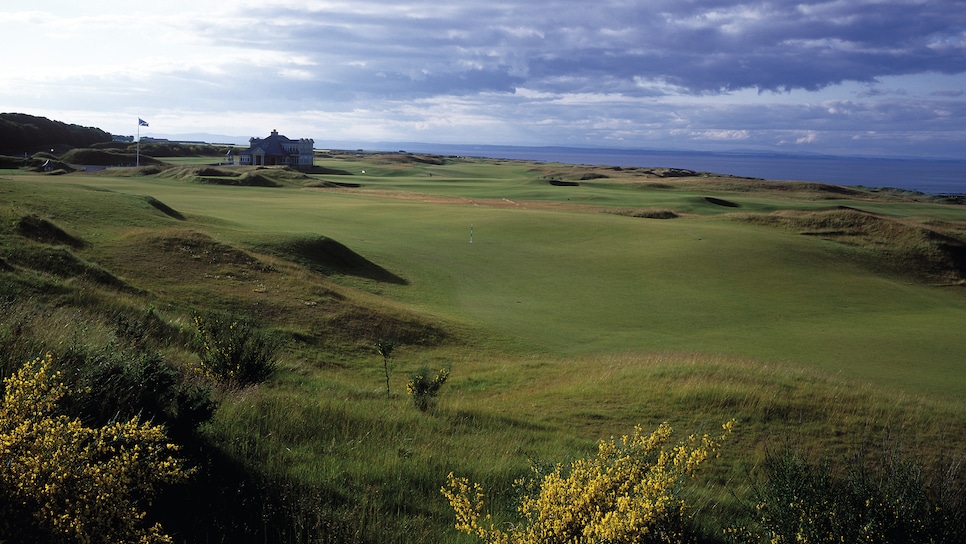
<point>277,150</point>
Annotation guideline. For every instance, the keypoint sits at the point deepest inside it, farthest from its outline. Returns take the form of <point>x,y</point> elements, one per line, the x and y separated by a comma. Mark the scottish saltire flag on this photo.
<point>142,122</point>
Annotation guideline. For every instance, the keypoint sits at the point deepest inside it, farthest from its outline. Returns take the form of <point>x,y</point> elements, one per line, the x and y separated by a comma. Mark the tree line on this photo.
<point>22,133</point>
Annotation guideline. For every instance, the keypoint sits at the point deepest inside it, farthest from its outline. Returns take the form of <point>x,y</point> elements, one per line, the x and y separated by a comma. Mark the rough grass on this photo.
<point>654,213</point>
<point>38,246</point>
<point>496,415</point>
<point>930,250</point>
<point>106,157</point>
<point>191,269</point>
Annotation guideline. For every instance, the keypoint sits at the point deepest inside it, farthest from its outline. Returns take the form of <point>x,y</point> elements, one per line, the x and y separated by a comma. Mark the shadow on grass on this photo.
<point>164,208</point>
<point>327,256</point>
<point>722,202</point>
<point>42,230</point>
<point>228,501</point>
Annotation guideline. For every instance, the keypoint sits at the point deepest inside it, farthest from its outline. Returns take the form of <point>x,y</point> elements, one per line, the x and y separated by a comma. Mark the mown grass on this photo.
<point>561,324</point>
<point>575,282</point>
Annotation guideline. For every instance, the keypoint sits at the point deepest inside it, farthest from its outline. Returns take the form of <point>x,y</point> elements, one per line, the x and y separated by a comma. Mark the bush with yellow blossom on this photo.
<point>423,388</point>
<point>627,493</point>
<point>234,351</point>
<point>80,484</point>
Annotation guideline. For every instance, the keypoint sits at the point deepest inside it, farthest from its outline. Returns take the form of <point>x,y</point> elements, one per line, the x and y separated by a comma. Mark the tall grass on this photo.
<point>498,415</point>
<point>385,460</point>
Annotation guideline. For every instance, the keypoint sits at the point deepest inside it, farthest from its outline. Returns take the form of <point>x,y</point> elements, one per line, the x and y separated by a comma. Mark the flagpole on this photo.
<point>138,154</point>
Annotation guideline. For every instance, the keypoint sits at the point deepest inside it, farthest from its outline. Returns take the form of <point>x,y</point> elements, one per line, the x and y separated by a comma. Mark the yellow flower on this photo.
<point>627,491</point>
<point>93,500</point>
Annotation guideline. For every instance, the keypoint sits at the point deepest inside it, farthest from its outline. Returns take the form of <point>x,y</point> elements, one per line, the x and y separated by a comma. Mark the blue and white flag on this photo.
<point>142,122</point>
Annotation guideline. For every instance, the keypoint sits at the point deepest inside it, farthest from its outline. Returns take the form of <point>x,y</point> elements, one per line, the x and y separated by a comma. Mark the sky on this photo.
<point>845,77</point>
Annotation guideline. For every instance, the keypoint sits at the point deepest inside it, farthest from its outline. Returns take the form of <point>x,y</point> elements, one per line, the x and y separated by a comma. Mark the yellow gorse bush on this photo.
<point>234,351</point>
<point>423,389</point>
<point>626,493</point>
<point>82,484</point>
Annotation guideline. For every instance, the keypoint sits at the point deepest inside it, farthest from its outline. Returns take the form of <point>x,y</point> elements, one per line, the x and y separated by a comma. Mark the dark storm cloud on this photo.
<point>704,46</point>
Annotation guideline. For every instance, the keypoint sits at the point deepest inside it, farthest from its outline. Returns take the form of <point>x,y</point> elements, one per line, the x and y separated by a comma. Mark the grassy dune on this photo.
<point>818,315</point>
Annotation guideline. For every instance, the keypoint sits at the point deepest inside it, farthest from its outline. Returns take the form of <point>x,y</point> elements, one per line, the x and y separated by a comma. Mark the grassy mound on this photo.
<point>815,190</point>
<point>42,230</point>
<point>6,161</point>
<point>243,177</point>
<point>649,213</point>
<point>327,256</point>
<point>63,263</point>
<point>192,269</point>
<point>53,167</point>
<point>409,158</point>
<point>327,171</point>
<point>50,251</point>
<point>195,173</point>
<point>164,208</point>
<point>152,169</point>
<point>39,162</point>
<point>674,173</point>
<point>105,157</point>
<point>172,149</point>
<point>202,248</point>
<point>902,245</point>
<point>254,179</point>
<point>282,175</point>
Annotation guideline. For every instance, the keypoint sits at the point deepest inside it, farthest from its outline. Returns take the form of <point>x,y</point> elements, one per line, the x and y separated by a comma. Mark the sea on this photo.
<point>930,176</point>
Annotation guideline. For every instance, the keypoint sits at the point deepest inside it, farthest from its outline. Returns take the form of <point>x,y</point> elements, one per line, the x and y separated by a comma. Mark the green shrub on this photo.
<point>888,500</point>
<point>234,351</point>
<point>141,331</point>
<point>114,387</point>
<point>423,388</point>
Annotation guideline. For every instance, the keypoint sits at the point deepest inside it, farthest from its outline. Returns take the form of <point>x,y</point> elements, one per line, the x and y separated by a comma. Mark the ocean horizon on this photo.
<point>931,176</point>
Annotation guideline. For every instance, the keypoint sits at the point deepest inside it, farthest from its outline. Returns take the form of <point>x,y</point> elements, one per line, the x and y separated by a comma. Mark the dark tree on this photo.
<point>20,133</point>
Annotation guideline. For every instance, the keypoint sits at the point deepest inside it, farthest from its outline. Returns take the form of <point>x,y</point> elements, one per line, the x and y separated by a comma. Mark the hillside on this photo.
<point>21,133</point>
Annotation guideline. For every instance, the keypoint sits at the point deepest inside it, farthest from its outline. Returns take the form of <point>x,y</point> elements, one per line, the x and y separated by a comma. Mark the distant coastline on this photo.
<point>927,175</point>
<point>932,176</point>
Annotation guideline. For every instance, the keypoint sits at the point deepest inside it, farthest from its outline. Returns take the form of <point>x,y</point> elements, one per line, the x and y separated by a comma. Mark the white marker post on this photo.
<point>471,234</point>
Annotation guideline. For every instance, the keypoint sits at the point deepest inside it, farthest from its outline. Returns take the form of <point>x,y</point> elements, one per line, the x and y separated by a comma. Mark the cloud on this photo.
<point>809,137</point>
<point>574,46</point>
<point>949,93</point>
<point>721,135</point>
<point>664,72</point>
